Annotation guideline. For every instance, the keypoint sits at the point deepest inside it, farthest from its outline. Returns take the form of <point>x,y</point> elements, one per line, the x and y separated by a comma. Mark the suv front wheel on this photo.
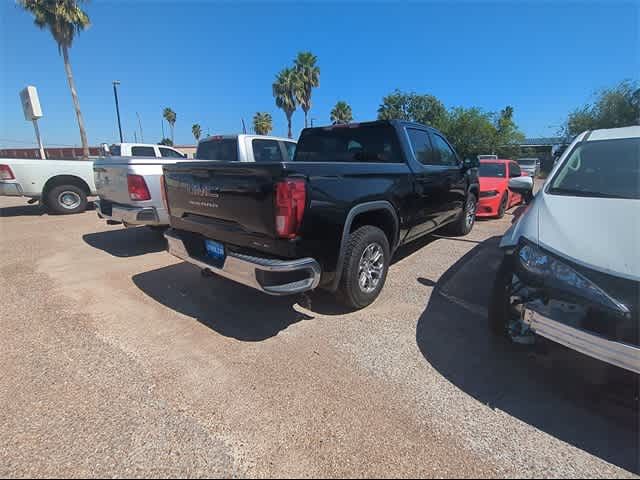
<point>366,263</point>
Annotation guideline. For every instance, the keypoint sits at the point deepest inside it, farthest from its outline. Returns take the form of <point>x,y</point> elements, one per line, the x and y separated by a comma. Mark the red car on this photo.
<point>495,197</point>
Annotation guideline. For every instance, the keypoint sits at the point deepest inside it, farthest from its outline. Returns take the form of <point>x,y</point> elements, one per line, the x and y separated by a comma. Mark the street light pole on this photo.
<point>115,94</point>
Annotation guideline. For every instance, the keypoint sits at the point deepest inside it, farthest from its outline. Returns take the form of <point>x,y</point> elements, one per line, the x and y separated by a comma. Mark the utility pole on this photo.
<point>140,124</point>
<point>35,126</point>
<point>115,95</point>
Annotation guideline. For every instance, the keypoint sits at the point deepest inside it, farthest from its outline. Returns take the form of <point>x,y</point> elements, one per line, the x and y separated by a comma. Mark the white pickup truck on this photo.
<point>62,186</point>
<point>130,189</point>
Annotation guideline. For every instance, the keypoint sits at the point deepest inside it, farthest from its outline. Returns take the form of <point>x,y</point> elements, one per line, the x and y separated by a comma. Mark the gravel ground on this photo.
<point>118,360</point>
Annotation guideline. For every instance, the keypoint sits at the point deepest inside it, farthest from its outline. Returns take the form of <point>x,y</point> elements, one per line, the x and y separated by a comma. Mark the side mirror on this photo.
<point>471,163</point>
<point>523,186</point>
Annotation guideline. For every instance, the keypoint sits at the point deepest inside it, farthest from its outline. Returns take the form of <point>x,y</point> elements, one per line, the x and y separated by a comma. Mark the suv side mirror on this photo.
<point>522,185</point>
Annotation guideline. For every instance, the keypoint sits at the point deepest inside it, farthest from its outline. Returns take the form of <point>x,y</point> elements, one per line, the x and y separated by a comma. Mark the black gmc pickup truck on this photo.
<point>331,218</point>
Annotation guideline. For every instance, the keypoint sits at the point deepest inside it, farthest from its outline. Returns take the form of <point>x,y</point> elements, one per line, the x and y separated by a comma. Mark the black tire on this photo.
<point>351,291</point>
<point>462,226</point>
<point>499,307</point>
<point>503,205</point>
<point>66,199</point>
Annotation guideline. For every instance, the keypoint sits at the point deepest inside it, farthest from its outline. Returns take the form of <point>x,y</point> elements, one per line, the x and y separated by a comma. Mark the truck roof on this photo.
<point>403,123</point>
<point>245,135</point>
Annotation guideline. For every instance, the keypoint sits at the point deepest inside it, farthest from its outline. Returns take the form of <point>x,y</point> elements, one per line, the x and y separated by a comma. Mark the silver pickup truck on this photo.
<point>130,188</point>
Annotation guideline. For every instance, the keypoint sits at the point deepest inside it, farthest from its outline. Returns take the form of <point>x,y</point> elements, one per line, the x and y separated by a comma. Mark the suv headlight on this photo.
<point>554,273</point>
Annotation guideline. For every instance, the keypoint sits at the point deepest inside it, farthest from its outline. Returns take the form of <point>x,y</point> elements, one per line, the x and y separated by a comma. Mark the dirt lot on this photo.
<point>119,360</point>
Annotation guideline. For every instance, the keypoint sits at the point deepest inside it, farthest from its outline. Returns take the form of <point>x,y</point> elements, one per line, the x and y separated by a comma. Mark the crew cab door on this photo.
<point>431,205</point>
<point>454,170</point>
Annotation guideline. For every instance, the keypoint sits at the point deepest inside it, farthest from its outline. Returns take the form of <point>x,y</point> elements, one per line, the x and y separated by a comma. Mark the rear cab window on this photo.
<point>353,143</point>
<point>222,149</point>
<point>143,151</point>
<point>265,151</point>
<point>290,147</point>
<point>169,153</point>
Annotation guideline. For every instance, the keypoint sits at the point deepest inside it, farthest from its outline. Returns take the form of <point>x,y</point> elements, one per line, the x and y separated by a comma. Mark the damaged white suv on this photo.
<point>571,270</point>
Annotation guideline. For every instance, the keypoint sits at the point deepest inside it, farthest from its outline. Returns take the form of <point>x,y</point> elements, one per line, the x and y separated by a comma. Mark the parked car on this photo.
<point>495,196</point>
<point>62,186</point>
<point>571,269</point>
<point>487,157</point>
<point>130,187</point>
<point>530,166</point>
<point>332,217</point>
<point>144,150</point>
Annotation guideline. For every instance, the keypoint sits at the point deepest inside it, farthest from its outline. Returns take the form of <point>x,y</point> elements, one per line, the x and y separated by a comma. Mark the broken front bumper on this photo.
<point>539,317</point>
<point>272,276</point>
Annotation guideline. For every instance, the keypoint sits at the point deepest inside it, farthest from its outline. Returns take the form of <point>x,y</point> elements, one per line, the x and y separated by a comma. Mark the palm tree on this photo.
<point>64,19</point>
<point>170,116</point>
<point>197,131</point>
<point>262,123</point>
<point>341,113</point>
<point>308,74</point>
<point>284,89</point>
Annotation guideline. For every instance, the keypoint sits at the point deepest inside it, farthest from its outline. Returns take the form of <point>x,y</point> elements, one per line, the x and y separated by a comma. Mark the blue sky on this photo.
<point>214,62</point>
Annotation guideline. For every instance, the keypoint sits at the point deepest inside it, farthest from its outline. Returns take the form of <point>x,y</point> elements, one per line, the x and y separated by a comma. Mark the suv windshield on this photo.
<point>224,149</point>
<point>353,143</point>
<point>604,168</point>
<point>496,170</point>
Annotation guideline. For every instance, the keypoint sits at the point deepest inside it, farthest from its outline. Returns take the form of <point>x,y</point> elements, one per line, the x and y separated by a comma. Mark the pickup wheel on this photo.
<point>465,221</point>
<point>66,199</point>
<point>366,263</point>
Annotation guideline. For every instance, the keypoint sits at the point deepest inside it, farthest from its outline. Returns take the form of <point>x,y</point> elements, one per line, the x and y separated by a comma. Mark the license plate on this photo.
<point>215,250</point>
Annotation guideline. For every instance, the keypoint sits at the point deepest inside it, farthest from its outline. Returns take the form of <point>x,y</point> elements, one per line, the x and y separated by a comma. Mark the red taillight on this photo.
<point>291,197</point>
<point>163,189</point>
<point>6,173</point>
<point>138,190</point>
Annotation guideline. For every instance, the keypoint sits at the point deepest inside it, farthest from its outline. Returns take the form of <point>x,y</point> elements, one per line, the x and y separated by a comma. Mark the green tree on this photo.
<point>262,123</point>
<point>197,131</point>
<point>507,136</point>
<point>170,116</point>
<point>341,113</point>
<point>284,91</point>
<point>308,74</point>
<point>64,19</point>
<point>613,107</point>
<point>412,107</point>
<point>471,131</point>
<point>166,141</point>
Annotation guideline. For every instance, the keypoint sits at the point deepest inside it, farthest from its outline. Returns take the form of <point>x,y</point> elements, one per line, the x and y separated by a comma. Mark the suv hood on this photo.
<point>598,233</point>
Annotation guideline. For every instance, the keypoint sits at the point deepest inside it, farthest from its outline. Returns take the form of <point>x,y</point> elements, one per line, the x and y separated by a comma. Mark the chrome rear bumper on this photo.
<point>129,215</point>
<point>250,270</point>
<point>615,353</point>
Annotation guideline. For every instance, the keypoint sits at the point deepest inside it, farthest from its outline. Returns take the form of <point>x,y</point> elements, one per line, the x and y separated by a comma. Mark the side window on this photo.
<point>266,151</point>
<point>444,155</point>
<point>291,150</point>
<point>143,152</point>
<point>514,170</point>
<point>421,145</point>
<point>169,153</point>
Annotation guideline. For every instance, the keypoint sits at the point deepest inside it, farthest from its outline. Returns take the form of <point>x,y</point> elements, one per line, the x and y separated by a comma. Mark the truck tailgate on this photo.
<point>110,175</point>
<point>224,201</point>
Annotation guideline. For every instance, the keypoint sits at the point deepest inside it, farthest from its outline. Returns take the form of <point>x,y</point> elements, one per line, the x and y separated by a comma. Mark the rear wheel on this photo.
<point>466,219</point>
<point>366,263</point>
<point>66,199</point>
